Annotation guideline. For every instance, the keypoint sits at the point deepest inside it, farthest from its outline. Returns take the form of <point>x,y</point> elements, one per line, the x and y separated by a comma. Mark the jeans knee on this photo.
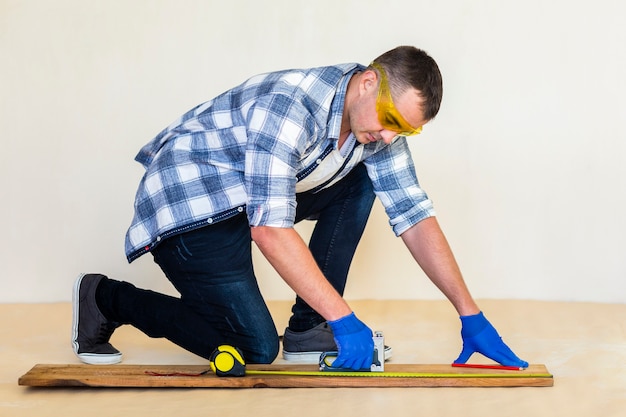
<point>262,353</point>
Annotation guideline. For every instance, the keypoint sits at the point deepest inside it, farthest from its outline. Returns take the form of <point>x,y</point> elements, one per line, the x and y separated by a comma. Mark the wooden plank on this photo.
<point>188,376</point>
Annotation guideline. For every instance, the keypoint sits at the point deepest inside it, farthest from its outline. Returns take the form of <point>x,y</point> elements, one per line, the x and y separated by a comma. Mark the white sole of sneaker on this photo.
<point>100,359</point>
<point>75,297</point>
<point>88,358</point>
<point>314,357</point>
<point>302,357</point>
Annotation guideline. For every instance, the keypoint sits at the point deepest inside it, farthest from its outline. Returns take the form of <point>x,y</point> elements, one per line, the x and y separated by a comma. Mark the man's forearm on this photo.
<point>429,247</point>
<point>292,259</point>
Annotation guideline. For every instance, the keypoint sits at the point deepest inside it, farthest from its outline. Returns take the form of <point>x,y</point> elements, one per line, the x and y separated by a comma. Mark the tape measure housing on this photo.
<point>227,360</point>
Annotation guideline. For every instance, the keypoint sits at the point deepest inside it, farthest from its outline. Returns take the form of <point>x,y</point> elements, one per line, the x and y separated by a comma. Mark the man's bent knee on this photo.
<point>262,353</point>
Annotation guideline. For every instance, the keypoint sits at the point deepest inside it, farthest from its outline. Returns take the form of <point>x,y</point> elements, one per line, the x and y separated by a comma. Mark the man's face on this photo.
<point>376,116</point>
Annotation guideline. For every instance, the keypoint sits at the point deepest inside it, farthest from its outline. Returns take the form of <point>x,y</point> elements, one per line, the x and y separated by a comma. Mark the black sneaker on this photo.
<point>307,346</point>
<point>91,331</point>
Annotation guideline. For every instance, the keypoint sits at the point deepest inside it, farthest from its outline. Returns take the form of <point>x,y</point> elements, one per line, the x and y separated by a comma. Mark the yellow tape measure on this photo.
<point>227,361</point>
<point>395,374</point>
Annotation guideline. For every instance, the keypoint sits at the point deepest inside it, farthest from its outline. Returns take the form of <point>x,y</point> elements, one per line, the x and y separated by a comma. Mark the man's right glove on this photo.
<point>480,336</point>
<point>354,343</point>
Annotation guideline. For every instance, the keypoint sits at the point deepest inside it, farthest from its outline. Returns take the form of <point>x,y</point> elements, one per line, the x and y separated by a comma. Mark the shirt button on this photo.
<point>240,209</point>
<point>209,220</point>
<point>158,238</point>
<point>319,161</point>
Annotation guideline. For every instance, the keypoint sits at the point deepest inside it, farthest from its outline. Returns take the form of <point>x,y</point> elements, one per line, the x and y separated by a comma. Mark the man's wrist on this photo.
<point>469,308</point>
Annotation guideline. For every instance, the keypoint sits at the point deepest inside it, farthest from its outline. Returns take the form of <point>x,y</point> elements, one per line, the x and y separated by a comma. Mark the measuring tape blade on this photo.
<point>395,374</point>
<point>227,361</point>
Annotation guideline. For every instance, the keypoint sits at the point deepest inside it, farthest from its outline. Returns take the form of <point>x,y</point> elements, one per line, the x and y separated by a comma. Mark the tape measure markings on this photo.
<point>396,374</point>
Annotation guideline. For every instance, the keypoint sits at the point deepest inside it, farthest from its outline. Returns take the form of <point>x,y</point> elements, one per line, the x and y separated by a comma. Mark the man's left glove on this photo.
<point>480,336</point>
<point>354,343</point>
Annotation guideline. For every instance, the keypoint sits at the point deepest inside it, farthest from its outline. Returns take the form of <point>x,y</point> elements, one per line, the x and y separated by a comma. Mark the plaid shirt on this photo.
<point>247,149</point>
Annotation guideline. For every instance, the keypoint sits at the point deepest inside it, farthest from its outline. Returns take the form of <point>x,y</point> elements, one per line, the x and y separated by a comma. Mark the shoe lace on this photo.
<point>105,331</point>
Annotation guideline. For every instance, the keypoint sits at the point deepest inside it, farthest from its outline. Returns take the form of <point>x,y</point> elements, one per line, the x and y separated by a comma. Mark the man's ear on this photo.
<point>369,81</point>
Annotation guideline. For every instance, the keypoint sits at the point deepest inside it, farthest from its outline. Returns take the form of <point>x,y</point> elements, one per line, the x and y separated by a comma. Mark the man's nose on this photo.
<point>387,136</point>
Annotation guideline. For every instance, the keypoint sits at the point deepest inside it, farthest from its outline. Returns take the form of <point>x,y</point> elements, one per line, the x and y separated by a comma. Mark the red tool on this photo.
<point>475,365</point>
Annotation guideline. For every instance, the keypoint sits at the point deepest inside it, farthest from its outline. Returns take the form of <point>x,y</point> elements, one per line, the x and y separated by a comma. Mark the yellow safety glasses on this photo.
<point>388,116</point>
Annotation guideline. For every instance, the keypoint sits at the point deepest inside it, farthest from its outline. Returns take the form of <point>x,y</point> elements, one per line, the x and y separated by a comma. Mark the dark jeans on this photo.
<point>211,268</point>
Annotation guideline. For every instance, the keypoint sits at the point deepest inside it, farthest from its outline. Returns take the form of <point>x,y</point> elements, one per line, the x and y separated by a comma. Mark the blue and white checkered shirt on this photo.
<point>250,147</point>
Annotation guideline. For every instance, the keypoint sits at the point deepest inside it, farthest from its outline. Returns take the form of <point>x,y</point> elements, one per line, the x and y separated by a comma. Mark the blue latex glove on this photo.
<point>480,336</point>
<point>354,343</point>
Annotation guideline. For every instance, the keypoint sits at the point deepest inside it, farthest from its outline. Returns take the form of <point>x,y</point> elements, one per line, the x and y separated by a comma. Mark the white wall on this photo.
<point>525,162</point>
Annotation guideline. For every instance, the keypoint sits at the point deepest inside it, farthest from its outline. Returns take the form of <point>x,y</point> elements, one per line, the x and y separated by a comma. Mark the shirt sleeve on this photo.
<point>395,182</point>
<point>278,129</point>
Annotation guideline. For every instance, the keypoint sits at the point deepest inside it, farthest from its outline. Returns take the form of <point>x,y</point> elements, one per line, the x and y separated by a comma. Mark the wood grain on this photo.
<point>187,376</point>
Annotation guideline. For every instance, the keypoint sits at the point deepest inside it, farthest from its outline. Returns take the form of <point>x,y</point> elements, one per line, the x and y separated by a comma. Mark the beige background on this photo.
<point>525,162</point>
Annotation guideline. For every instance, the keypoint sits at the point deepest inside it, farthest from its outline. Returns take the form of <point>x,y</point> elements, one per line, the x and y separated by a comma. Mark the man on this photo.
<point>318,144</point>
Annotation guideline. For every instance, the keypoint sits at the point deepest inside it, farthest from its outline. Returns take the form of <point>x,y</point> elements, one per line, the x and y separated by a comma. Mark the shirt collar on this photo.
<point>336,107</point>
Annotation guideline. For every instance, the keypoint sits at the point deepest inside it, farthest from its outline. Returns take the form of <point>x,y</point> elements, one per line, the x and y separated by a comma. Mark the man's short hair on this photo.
<point>410,67</point>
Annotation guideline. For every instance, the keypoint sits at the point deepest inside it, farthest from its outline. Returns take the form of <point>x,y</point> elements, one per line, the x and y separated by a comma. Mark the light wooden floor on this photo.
<point>582,344</point>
